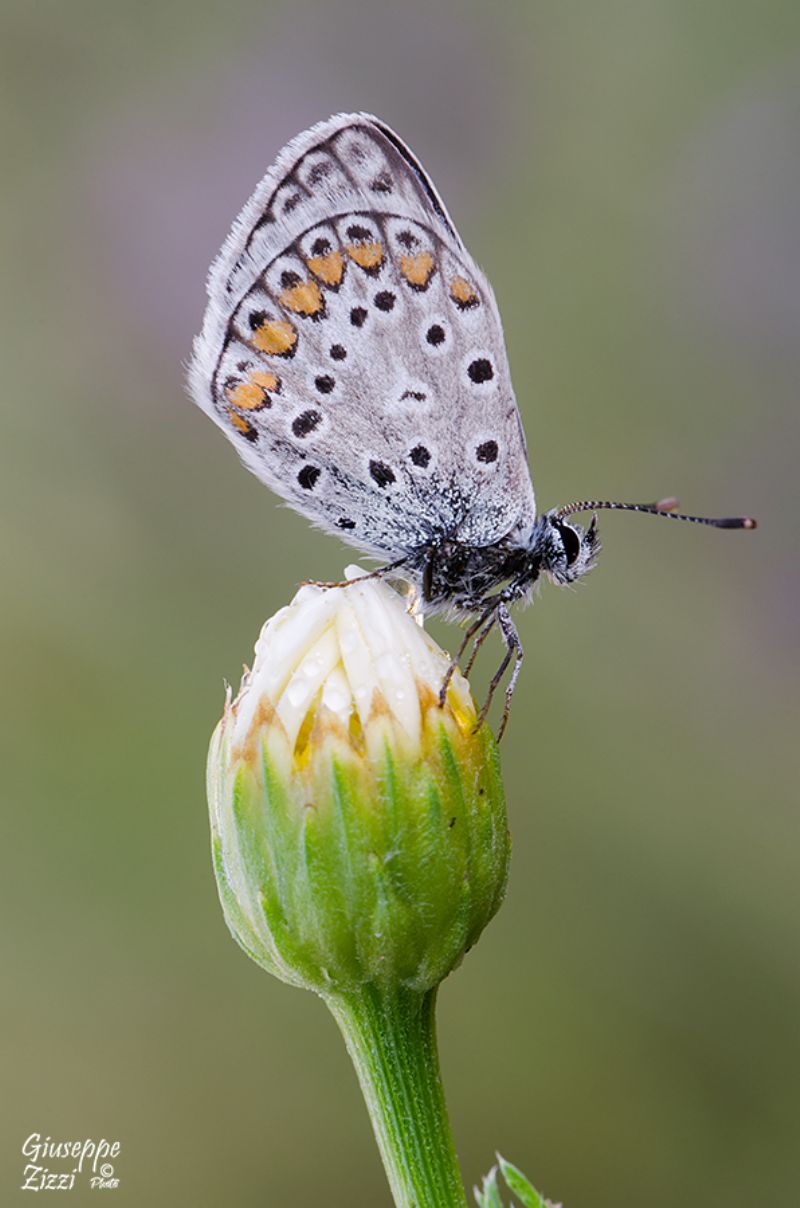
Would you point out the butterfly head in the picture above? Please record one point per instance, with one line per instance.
(563, 551)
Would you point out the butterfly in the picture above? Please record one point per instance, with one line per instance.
(353, 352)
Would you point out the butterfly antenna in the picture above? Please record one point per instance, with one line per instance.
(664, 507)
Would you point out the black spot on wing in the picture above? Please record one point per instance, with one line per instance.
(382, 474)
(319, 172)
(306, 423)
(480, 370)
(308, 477)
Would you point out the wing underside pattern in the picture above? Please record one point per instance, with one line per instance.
(353, 351)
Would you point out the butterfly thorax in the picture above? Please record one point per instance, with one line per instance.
(466, 578)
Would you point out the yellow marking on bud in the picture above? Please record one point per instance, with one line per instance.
(459, 705)
(366, 255)
(356, 733)
(462, 292)
(253, 394)
(305, 298)
(417, 269)
(427, 698)
(322, 734)
(378, 708)
(464, 716)
(249, 750)
(329, 269)
(302, 743)
(276, 337)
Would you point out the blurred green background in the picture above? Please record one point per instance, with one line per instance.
(628, 174)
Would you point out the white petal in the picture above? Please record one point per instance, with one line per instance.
(339, 646)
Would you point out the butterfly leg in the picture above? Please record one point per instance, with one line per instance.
(513, 651)
(514, 648)
(480, 639)
(379, 573)
(485, 620)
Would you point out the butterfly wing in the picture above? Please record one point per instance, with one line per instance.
(354, 354)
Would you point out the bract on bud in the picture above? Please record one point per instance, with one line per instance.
(359, 830)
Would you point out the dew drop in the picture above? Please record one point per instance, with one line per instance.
(297, 693)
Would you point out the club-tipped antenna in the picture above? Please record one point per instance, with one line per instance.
(664, 507)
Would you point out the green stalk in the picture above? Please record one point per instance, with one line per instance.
(391, 1037)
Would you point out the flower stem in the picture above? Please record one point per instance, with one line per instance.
(391, 1037)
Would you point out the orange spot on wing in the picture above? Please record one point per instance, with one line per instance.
(253, 394)
(305, 298)
(463, 293)
(276, 337)
(242, 425)
(329, 269)
(366, 255)
(417, 269)
(267, 381)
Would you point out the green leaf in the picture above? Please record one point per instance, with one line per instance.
(489, 1196)
(527, 1195)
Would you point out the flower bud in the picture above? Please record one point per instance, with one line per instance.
(359, 830)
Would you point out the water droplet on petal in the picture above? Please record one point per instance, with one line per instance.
(297, 693)
(349, 640)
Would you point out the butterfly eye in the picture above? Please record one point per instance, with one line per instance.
(572, 542)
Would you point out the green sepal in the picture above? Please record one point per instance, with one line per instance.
(519, 1185)
(353, 863)
(488, 1196)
